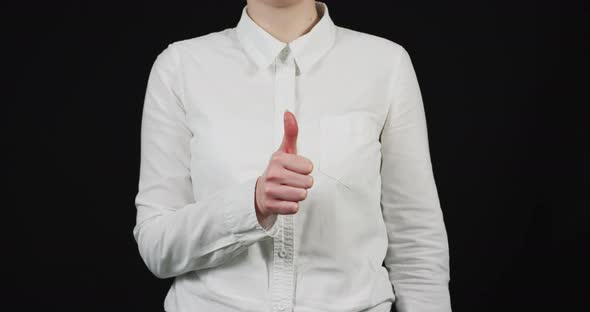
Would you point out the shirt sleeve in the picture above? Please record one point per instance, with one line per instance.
(417, 257)
(176, 234)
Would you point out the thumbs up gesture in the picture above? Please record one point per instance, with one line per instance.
(286, 179)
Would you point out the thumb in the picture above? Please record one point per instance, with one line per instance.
(289, 144)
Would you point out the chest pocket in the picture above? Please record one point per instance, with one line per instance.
(350, 151)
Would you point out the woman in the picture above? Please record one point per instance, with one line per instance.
(285, 166)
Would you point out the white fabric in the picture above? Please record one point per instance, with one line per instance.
(212, 117)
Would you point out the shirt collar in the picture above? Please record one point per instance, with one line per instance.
(307, 49)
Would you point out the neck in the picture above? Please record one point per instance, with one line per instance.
(284, 21)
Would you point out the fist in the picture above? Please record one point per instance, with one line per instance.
(286, 179)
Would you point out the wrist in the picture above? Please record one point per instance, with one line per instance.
(259, 214)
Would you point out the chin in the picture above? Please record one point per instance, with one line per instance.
(281, 3)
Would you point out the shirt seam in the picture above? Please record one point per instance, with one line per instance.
(394, 79)
(176, 62)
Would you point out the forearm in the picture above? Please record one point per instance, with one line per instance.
(202, 234)
(418, 253)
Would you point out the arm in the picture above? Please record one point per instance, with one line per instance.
(176, 234)
(417, 257)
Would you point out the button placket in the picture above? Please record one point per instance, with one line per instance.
(282, 282)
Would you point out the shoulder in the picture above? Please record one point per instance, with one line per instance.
(209, 43)
(198, 48)
(370, 46)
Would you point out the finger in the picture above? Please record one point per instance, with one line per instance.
(295, 179)
(282, 207)
(291, 129)
(296, 163)
(287, 192)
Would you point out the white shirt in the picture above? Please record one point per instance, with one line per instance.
(213, 116)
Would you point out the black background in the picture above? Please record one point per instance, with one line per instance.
(507, 166)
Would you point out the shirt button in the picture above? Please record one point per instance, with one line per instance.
(282, 254)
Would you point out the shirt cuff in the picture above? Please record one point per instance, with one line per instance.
(240, 215)
(423, 298)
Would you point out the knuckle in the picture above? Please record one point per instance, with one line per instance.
(272, 174)
(288, 207)
(275, 157)
(278, 156)
(270, 206)
(303, 194)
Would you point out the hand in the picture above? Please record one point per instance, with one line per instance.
(286, 178)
